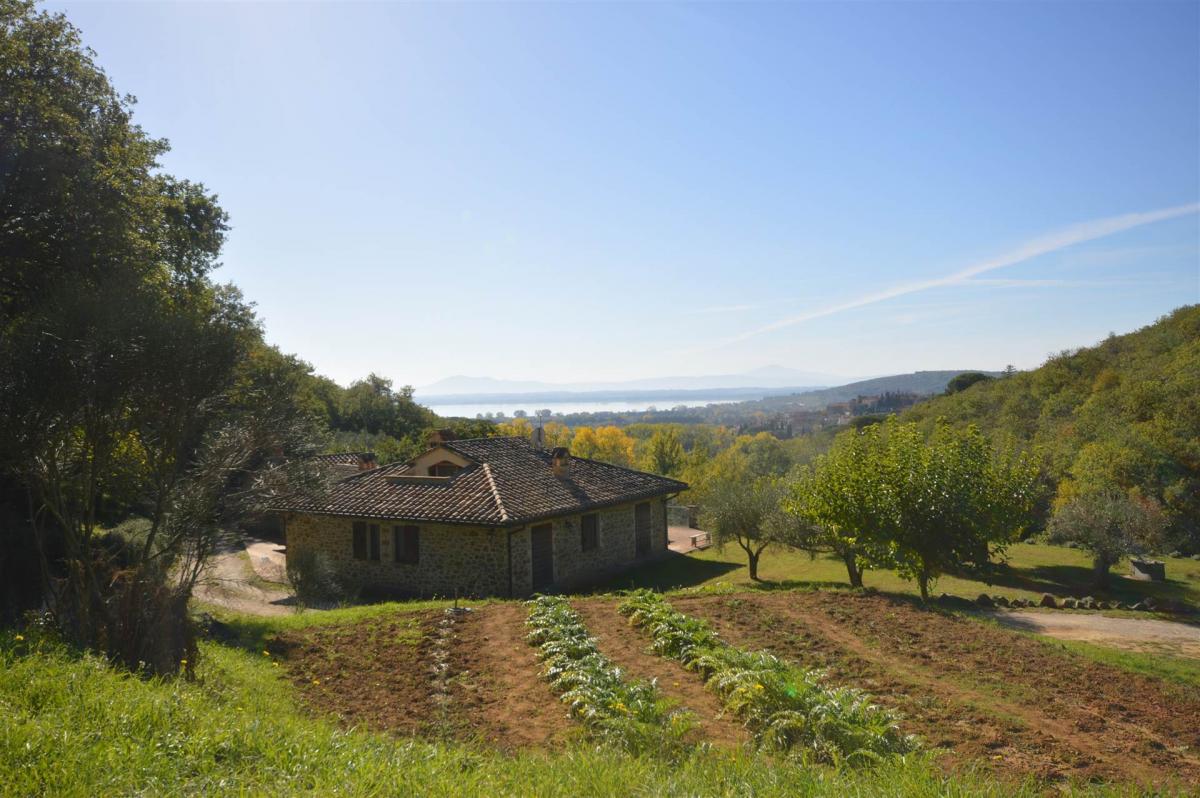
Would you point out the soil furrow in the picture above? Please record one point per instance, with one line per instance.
(498, 684)
(979, 691)
(630, 650)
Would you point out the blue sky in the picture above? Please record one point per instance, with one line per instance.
(582, 192)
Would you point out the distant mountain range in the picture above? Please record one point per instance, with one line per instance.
(464, 388)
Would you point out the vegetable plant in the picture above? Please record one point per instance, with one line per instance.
(630, 714)
(789, 709)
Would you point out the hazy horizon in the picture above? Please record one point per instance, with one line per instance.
(600, 193)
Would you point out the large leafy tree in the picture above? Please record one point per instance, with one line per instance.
(128, 379)
(841, 502)
(609, 444)
(952, 501)
(664, 453)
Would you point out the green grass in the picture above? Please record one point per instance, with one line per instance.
(253, 631)
(73, 726)
(1181, 670)
(1033, 569)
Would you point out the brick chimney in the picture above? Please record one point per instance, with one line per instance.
(538, 438)
(561, 462)
(444, 435)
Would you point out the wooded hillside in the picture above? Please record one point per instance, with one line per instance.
(1124, 413)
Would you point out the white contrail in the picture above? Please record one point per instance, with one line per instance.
(1043, 245)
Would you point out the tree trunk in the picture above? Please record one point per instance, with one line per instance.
(852, 569)
(753, 558)
(1100, 568)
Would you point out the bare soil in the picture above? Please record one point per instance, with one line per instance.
(498, 684)
(374, 674)
(630, 651)
(977, 691)
(383, 674)
(980, 692)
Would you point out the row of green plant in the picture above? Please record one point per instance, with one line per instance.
(631, 714)
(787, 708)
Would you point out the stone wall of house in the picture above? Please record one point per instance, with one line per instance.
(616, 547)
(453, 559)
(475, 560)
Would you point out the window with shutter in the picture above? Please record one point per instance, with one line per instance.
(375, 542)
(406, 543)
(589, 531)
(360, 540)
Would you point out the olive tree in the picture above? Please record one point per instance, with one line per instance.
(1110, 525)
(740, 508)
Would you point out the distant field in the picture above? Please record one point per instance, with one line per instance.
(1033, 569)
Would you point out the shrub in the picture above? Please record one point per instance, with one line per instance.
(315, 580)
(789, 709)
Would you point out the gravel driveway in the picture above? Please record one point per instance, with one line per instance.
(1132, 634)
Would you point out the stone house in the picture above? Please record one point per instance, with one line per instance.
(485, 517)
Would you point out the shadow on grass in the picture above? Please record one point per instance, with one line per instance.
(672, 571)
(1076, 580)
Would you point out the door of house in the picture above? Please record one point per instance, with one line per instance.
(641, 528)
(542, 553)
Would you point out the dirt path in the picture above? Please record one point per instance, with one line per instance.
(497, 684)
(1132, 634)
(231, 582)
(629, 650)
(981, 692)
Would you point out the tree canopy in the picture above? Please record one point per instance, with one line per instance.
(1124, 414)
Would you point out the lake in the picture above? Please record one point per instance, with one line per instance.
(447, 409)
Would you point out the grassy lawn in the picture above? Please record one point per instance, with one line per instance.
(1032, 569)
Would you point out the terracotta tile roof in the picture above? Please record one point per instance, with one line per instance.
(345, 458)
(509, 483)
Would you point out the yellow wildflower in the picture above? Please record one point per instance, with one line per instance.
(266, 653)
(19, 638)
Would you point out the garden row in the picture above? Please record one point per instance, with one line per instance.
(788, 709)
(631, 714)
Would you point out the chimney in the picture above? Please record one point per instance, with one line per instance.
(538, 439)
(441, 436)
(561, 462)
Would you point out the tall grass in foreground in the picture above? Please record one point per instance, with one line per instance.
(72, 726)
(788, 708)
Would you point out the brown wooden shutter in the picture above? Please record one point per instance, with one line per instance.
(407, 544)
(360, 540)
